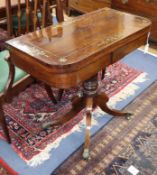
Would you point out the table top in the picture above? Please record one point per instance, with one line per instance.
(74, 44)
(74, 41)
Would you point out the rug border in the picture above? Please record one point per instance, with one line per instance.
(7, 167)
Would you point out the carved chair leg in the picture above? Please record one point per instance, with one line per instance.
(50, 93)
(7, 89)
(10, 81)
(4, 125)
(60, 94)
(103, 73)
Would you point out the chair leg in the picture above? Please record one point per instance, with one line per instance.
(103, 74)
(4, 125)
(10, 81)
(50, 93)
(60, 94)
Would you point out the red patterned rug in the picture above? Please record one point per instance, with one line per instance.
(5, 169)
(27, 112)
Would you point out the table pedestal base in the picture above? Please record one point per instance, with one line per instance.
(91, 98)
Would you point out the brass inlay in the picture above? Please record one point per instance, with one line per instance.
(108, 40)
(62, 60)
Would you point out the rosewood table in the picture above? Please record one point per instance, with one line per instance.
(74, 52)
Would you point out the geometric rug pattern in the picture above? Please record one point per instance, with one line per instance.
(27, 112)
(140, 154)
(122, 144)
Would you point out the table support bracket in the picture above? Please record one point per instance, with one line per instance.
(91, 98)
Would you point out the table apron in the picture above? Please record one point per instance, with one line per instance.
(72, 78)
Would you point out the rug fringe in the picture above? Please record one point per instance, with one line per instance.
(45, 154)
(128, 91)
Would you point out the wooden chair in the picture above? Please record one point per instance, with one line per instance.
(4, 124)
(4, 34)
(3, 37)
(20, 81)
(36, 13)
(32, 22)
(48, 7)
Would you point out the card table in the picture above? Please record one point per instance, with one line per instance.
(73, 52)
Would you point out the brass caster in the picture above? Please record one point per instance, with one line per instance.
(128, 116)
(86, 154)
